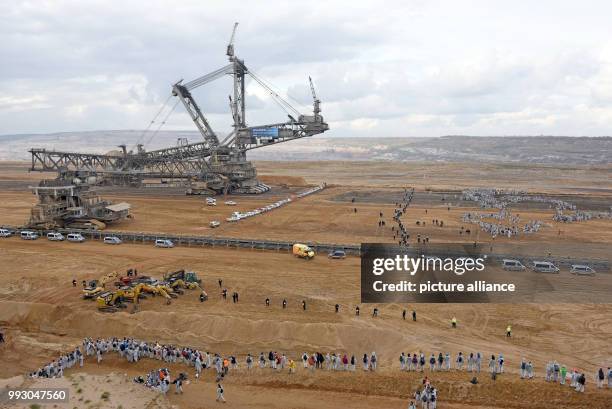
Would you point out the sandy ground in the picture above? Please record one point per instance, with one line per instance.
(42, 314)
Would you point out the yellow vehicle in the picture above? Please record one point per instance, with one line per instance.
(133, 294)
(303, 251)
(187, 276)
(168, 290)
(110, 301)
(92, 290)
(96, 287)
(159, 290)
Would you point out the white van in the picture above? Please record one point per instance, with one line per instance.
(512, 265)
(582, 270)
(164, 243)
(55, 236)
(76, 237)
(544, 267)
(29, 235)
(112, 240)
(5, 233)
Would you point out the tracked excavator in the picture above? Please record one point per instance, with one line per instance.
(110, 301)
(96, 287)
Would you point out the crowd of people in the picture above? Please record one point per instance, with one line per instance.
(400, 233)
(512, 229)
(501, 199)
(428, 396)
(444, 362)
(133, 350)
(558, 373)
(160, 380)
(56, 368)
(580, 216)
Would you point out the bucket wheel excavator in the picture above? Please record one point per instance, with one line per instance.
(213, 165)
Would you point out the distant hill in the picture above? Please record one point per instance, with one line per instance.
(531, 149)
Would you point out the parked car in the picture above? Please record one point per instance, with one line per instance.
(230, 203)
(582, 270)
(112, 240)
(55, 236)
(544, 267)
(512, 265)
(337, 254)
(76, 237)
(211, 202)
(214, 224)
(29, 235)
(164, 243)
(5, 233)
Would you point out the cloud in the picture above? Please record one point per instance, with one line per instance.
(400, 68)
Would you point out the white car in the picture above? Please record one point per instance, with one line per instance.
(75, 237)
(28, 235)
(5, 233)
(582, 270)
(544, 267)
(164, 243)
(214, 224)
(211, 202)
(55, 236)
(112, 240)
(230, 203)
(512, 265)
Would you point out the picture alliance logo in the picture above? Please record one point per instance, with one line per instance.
(411, 265)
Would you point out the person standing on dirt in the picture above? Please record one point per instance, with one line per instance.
(508, 331)
(337, 307)
(375, 313)
(267, 302)
(413, 315)
(304, 305)
(600, 378)
(1, 338)
(563, 374)
(357, 311)
(404, 315)
(284, 303)
(220, 283)
(373, 360)
(224, 293)
(454, 322)
(492, 362)
(178, 384)
(220, 397)
(581, 383)
(74, 282)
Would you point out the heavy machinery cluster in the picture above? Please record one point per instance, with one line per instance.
(132, 287)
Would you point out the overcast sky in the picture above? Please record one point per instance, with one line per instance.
(381, 68)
